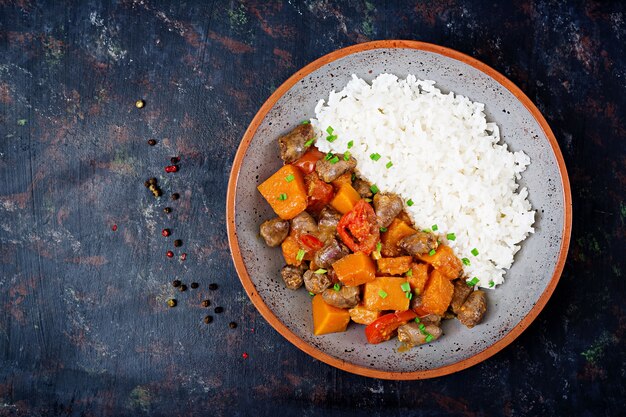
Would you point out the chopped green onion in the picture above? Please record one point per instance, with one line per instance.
(353, 177)
(374, 188)
(346, 156)
(375, 156)
(305, 122)
(409, 295)
(311, 293)
(336, 287)
(350, 144)
(334, 160)
(328, 156)
(379, 246)
(434, 227)
(472, 282)
(290, 178)
(300, 255)
(429, 338)
(389, 165)
(422, 327)
(451, 236)
(382, 294)
(409, 202)
(282, 196)
(475, 252)
(426, 230)
(320, 271)
(368, 200)
(309, 142)
(331, 138)
(465, 261)
(330, 130)
(491, 284)
(432, 252)
(383, 229)
(417, 319)
(405, 286)
(409, 273)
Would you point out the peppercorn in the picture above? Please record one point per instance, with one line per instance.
(171, 168)
(139, 104)
(183, 256)
(205, 303)
(152, 181)
(174, 160)
(244, 355)
(165, 232)
(182, 288)
(171, 302)
(152, 142)
(169, 253)
(213, 287)
(219, 310)
(175, 196)
(167, 210)
(208, 319)
(146, 184)
(194, 285)
(176, 283)
(178, 243)
(232, 325)
(114, 227)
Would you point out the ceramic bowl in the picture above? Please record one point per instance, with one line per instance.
(529, 283)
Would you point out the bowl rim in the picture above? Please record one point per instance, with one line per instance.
(275, 322)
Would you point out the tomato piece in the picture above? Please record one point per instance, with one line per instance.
(319, 194)
(358, 228)
(307, 162)
(382, 329)
(311, 242)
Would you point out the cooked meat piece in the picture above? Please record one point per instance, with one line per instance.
(387, 207)
(274, 231)
(303, 223)
(346, 297)
(473, 309)
(419, 243)
(461, 292)
(332, 251)
(411, 335)
(292, 275)
(329, 171)
(405, 218)
(292, 144)
(332, 275)
(316, 283)
(416, 301)
(327, 223)
(431, 319)
(362, 187)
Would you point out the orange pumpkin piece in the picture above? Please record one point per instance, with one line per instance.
(362, 315)
(355, 269)
(327, 318)
(445, 261)
(385, 293)
(394, 266)
(418, 277)
(437, 294)
(343, 179)
(285, 192)
(345, 199)
(395, 232)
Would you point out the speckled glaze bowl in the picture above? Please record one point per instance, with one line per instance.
(529, 283)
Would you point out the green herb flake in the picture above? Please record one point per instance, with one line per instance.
(422, 327)
(382, 294)
(300, 254)
(320, 271)
(337, 287)
(290, 178)
(409, 295)
(368, 200)
(374, 188)
(491, 284)
(375, 156)
(346, 156)
(334, 160)
(451, 236)
(434, 227)
(379, 246)
(417, 319)
(405, 286)
(475, 252)
(309, 142)
(409, 273)
(432, 252)
(328, 156)
(330, 130)
(353, 177)
(350, 144)
(389, 165)
(282, 196)
(383, 229)
(465, 261)
(429, 338)
(331, 138)
(473, 282)
(409, 202)
(311, 294)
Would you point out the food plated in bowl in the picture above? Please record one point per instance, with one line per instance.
(529, 281)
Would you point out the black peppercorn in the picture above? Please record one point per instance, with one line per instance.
(146, 184)
(152, 181)
(152, 142)
(175, 196)
(213, 287)
(174, 160)
(219, 310)
(182, 288)
(171, 302)
(194, 285)
(232, 325)
(178, 243)
(167, 210)
(206, 303)
(208, 319)
(176, 283)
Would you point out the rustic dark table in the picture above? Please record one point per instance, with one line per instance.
(84, 325)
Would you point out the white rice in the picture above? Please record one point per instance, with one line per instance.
(446, 158)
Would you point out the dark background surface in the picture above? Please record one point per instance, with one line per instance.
(84, 328)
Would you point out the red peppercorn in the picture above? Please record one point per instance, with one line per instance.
(170, 254)
(171, 168)
(114, 227)
(244, 355)
(183, 256)
(165, 232)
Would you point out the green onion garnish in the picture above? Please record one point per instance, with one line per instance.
(336, 287)
(300, 254)
(305, 122)
(465, 261)
(330, 130)
(434, 227)
(290, 178)
(282, 196)
(379, 246)
(472, 282)
(422, 327)
(383, 229)
(417, 319)
(382, 294)
(309, 142)
(374, 188)
(491, 284)
(389, 165)
(311, 294)
(320, 271)
(475, 252)
(409, 295)
(350, 144)
(429, 338)
(426, 230)
(405, 286)
(375, 156)
(409, 273)
(334, 160)
(432, 252)
(451, 236)
(328, 156)
(331, 138)
(409, 202)
(353, 177)
(346, 156)
(368, 200)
